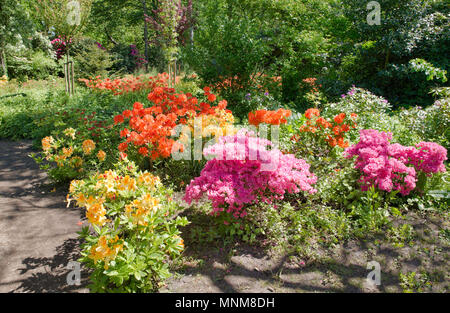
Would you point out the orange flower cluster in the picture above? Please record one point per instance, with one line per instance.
(333, 131)
(127, 84)
(311, 82)
(151, 128)
(268, 117)
(103, 251)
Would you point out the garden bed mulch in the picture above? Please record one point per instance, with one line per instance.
(342, 268)
(38, 239)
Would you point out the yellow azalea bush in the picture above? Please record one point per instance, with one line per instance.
(133, 229)
(66, 156)
(210, 125)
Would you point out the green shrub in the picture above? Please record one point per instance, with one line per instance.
(93, 61)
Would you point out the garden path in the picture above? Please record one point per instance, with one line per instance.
(37, 232)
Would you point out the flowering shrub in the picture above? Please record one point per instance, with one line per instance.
(133, 231)
(431, 123)
(244, 172)
(323, 130)
(127, 84)
(72, 156)
(269, 117)
(151, 128)
(393, 166)
(313, 93)
(71, 152)
(372, 110)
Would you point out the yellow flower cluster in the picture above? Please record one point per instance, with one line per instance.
(95, 211)
(103, 252)
(74, 184)
(67, 152)
(88, 145)
(47, 143)
(148, 180)
(76, 161)
(70, 132)
(139, 209)
(218, 125)
(59, 159)
(110, 183)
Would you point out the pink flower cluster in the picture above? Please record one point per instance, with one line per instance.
(140, 60)
(243, 171)
(393, 166)
(60, 45)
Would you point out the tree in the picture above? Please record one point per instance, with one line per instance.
(124, 19)
(381, 53)
(15, 26)
(67, 19)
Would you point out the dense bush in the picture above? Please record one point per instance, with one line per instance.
(93, 60)
(28, 64)
(244, 172)
(135, 232)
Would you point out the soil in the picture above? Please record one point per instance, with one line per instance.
(38, 238)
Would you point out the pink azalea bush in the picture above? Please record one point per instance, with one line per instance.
(243, 172)
(393, 166)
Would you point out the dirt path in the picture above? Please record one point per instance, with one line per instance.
(37, 232)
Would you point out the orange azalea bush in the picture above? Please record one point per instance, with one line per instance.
(269, 117)
(127, 84)
(333, 132)
(133, 229)
(150, 129)
(313, 91)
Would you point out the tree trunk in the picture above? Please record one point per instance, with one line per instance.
(110, 37)
(3, 62)
(144, 4)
